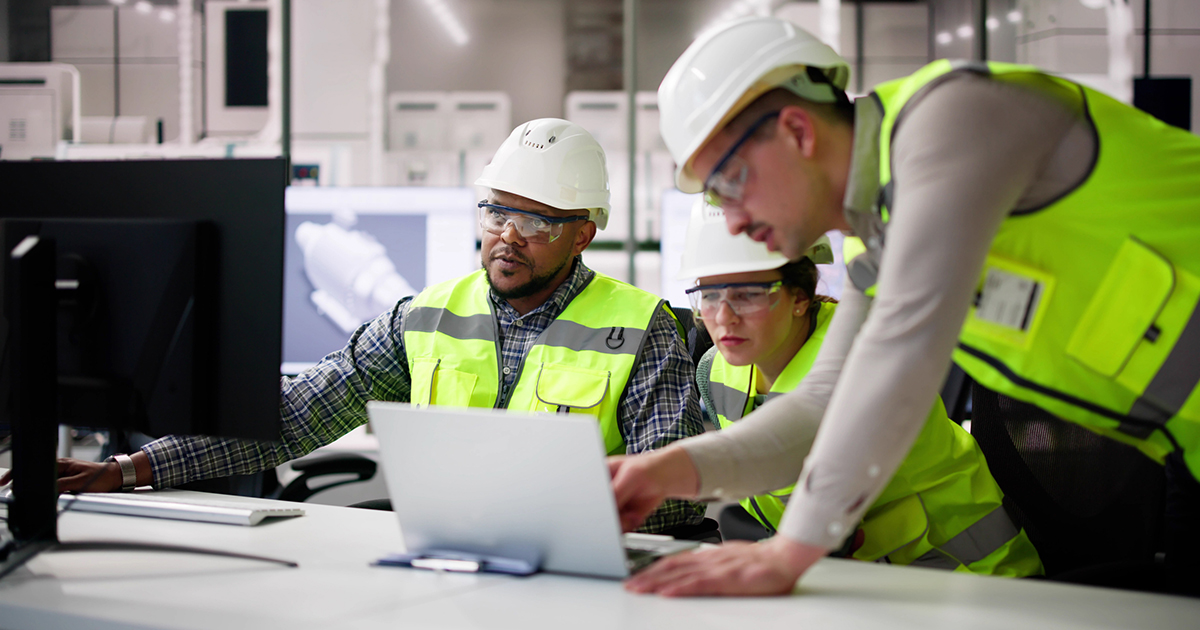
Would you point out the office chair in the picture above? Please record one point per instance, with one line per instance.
(1092, 506)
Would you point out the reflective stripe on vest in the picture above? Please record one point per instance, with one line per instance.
(942, 506)
(581, 363)
(1107, 332)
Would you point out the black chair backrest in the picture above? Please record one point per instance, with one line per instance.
(1083, 499)
(695, 337)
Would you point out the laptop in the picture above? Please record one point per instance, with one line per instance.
(494, 483)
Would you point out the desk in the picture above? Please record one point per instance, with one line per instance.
(335, 588)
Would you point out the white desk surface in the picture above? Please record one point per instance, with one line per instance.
(335, 588)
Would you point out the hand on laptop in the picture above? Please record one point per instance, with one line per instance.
(642, 482)
(769, 567)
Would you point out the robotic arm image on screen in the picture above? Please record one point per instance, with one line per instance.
(353, 278)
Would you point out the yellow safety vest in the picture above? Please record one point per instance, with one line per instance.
(941, 509)
(1086, 307)
(580, 364)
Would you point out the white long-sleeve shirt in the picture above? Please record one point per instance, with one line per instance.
(965, 155)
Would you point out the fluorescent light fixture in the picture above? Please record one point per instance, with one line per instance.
(992, 23)
(453, 27)
(966, 31)
(1014, 17)
(143, 7)
(738, 9)
(166, 15)
(944, 38)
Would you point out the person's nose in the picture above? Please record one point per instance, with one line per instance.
(736, 219)
(511, 235)
(725, 315)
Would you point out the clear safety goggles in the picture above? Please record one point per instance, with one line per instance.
(533, 227)
(727, 182)
(744, 298)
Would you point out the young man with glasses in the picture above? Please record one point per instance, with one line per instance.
(534, 330)
(1039, 231)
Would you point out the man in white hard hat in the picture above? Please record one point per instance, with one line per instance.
(534, 330)
(1040, 231)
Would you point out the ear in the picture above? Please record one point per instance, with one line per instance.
(584, 237)
(801, 304)
(800, 125)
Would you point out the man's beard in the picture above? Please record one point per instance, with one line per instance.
(535, 284)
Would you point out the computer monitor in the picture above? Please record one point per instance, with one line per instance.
(158, 286)
(351, 253)
(243, 202)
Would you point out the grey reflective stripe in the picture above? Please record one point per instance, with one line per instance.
(574, 336)
(983, 538)
(772, 396)
(1174, 382)
(934, 559)
(729, 401)
(429, 319)
(863, 273)
(971, 66)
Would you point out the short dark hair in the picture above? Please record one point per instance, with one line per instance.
(803, 275)
(841, 111)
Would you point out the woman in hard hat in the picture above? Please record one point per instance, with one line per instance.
(942, 509)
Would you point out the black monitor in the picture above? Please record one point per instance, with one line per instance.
(137, 294)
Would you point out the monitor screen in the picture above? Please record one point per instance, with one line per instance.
(352, 253)
(242, 202)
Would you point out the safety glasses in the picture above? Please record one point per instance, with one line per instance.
(533, 227)
(745, 298)
(727, 182)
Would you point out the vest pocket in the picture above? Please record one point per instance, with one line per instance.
(436, 385)
(566, 387)
(1119, 321)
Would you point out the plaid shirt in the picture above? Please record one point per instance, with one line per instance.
(660, 403)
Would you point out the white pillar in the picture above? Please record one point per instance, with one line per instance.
(831, 24)
(187, 130)
(377, 90)
(1120, 49)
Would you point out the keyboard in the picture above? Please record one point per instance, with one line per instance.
(148, 505)
(643, 549)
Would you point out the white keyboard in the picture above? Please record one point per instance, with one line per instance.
(200, 510)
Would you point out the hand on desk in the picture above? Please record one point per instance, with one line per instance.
(770, 567)
(76, 475)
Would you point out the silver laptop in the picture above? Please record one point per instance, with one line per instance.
(512, 485)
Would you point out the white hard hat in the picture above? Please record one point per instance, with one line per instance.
(554, 162)
(727, 69)
(710, 250)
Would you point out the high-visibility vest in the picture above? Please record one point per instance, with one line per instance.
(941, 509)
(1087, 306)
(580, 364)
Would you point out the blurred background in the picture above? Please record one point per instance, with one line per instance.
(417, 94)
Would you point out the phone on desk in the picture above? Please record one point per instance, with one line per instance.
(459, 562)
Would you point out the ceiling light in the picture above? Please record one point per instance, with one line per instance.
(1014, 17)
(166, 15)
(965, 31)
(992, 23)
(143, 7)
(944, 38)
(453, 27)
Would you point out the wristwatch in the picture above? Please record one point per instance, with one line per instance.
(128, 472)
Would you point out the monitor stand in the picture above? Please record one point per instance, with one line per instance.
(33, 507)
